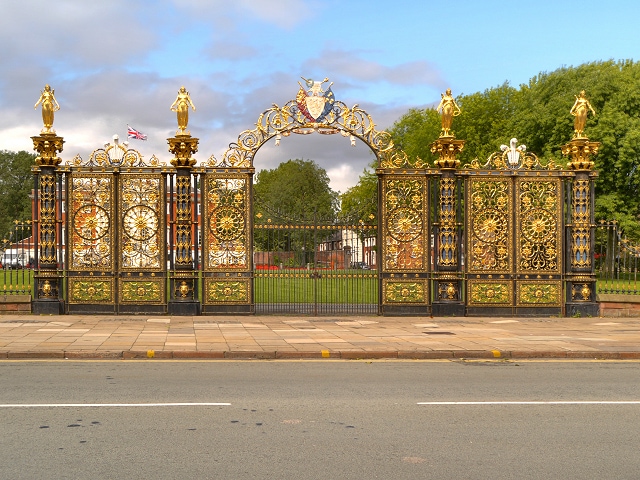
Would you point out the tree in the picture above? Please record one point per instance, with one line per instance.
(359, 204)
(537, 114)
(16, 183)
(414, 131)
(296, 192)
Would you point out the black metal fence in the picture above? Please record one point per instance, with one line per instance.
(17, 255)
(617, 261)
(315, 269)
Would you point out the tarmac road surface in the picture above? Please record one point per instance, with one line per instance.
(319, 419)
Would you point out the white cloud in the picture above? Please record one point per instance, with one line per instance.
(351, 65)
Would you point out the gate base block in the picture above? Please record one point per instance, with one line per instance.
(228, 310)
(47, 307)
(405, 311)
(584, 309)
(184, 308)
(448, 310)
(514, 312)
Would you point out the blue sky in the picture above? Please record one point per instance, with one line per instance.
(116, 62)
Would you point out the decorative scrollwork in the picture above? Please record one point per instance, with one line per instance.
(488, 216)
(489, 293)
(140, 223)
(115, 156)
(279, 121)
(539, 293)
(226, 210)
(581, 231)
(141, 238)
(91, 222)
(91, 198)
(538, 213)
(404, 235)
(513, 157)
(404, 292)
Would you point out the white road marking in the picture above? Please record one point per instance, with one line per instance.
(54, 405)
(550, 402)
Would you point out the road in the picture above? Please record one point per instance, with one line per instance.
(319, 420)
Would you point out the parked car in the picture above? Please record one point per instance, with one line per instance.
(360, 265)
(12, 259)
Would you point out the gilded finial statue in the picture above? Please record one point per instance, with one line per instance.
(181, 107)
(580, 110)
(449, 109)
(49, 106)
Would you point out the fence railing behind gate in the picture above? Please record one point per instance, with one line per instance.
(617, 261)
(315, 269)
(17, 260)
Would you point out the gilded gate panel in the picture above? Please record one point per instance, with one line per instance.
(514, 241)
(221, 291)
(226, 232)
(488, 219)
(405, 291)
(142, 291)
(531, 293)
(91, 210)
(404, 236)
(142, 240)
(91, 237)
(91, 290)
(142, 199)
(539, 236)
(226, 239)
(483, 292)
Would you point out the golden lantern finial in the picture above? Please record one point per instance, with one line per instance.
(49, 106)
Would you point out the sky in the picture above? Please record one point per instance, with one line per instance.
(114, 63)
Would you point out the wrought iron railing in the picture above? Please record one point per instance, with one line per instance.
(17, 259)
(617, 261)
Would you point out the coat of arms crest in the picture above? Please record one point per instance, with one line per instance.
(314, 102)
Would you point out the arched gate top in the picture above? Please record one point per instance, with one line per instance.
(314, 110)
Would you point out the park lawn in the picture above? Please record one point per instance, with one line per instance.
(16, 282)
(296, 286)
(619, 285)
(335, 286)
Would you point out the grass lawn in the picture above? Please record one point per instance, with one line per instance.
(16, 282)
(300, 286)
(627, 285)
(322, 286)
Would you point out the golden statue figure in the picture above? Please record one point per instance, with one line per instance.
(580, 109)
(181, 107)
(449, 109)
(49, 106)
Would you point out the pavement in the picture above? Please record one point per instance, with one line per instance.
(292, 337)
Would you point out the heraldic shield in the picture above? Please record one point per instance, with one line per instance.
(314, 102)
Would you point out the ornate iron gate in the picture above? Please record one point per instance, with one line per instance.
(511, 236)
(514, 244)
(227, 243)
(405, 240)
(115, 235)
(314, 269)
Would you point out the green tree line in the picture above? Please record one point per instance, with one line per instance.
(537, 114)
(16, 183)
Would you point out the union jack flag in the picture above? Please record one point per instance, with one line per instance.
(133, 133)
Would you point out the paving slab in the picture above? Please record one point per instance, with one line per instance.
(286, 337)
